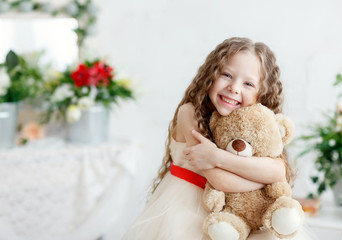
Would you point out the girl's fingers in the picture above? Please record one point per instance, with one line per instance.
(198, 136)
(186, 151)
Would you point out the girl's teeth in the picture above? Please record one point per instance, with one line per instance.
(230, 101)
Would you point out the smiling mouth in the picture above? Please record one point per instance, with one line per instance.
(229, 100)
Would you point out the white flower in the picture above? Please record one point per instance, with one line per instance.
(47, 7)
(339, 105)
(85, 103)
(3, 91)
(25, 7)
(5, 81)
(30, 81)
(125, 82)
(72, 9)
(74, 100)
(32, 58)
(332, 142)
(51, 74)
(73, 113)
(92, 30)
(62, 92)
(335, 156)
(91, 9)
(84, 90)
(339, 121)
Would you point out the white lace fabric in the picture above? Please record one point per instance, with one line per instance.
(55, 190)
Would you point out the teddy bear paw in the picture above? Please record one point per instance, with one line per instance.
(223, 231)
(215, 200)
(286, 221)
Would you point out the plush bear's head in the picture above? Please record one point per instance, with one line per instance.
(253, 130)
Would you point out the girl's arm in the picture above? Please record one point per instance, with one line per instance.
(207, 155)
(225, 181)
(218, 178)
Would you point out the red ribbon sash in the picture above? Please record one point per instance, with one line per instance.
(188, 175)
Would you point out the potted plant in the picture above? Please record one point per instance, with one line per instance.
(325, 141)
(20, 79)
(82, 97)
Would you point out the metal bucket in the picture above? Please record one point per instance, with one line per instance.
(338, 192)
(92, 127)
(8, 124)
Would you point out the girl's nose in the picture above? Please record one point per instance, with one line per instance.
(233, 88)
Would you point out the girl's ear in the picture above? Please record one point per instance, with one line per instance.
(286, 128)
(213, 119)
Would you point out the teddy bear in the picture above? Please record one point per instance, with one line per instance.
(252, 131)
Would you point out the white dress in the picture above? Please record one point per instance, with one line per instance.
(175, 210)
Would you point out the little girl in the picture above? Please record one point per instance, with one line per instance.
(237, 73)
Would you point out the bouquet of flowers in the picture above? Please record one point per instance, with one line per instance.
(20, 77)
(77, 90)
(326, 142)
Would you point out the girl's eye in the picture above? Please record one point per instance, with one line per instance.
(228, 75)
(249, 84)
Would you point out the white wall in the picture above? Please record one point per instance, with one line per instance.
(161, 44)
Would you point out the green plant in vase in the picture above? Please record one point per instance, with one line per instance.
(325, 141)
(21, 79)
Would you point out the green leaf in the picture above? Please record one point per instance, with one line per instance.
(311, 195)
(321, 188)
(306, 151)
(332, 184)
(12, 59)
(338, 79)
(314, 179)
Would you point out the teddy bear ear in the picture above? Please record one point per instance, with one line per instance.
(286, 128)
(215, 115)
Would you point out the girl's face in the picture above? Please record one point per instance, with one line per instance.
(238, 84)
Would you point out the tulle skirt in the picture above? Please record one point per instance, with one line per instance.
(175, 212)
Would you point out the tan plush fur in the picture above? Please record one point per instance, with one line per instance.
(267, 134)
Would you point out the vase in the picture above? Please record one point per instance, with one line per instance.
(92, 127)
(337, 190)
(8, 124)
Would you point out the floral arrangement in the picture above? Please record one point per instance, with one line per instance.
(326, 142)
(84, 11)
(20, 77)
(77, 90)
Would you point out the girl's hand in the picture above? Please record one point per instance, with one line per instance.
(201, 156)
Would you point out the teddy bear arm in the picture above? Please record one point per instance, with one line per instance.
(278, 189)
(213, 199)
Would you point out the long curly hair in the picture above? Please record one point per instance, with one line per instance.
(270, 92)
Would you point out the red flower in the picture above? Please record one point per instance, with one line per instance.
(81, 76)
(100, 74)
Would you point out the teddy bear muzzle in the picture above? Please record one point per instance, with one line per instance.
(240, 147)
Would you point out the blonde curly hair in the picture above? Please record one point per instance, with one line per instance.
(270, 92)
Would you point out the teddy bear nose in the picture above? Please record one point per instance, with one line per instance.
(238, 145)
